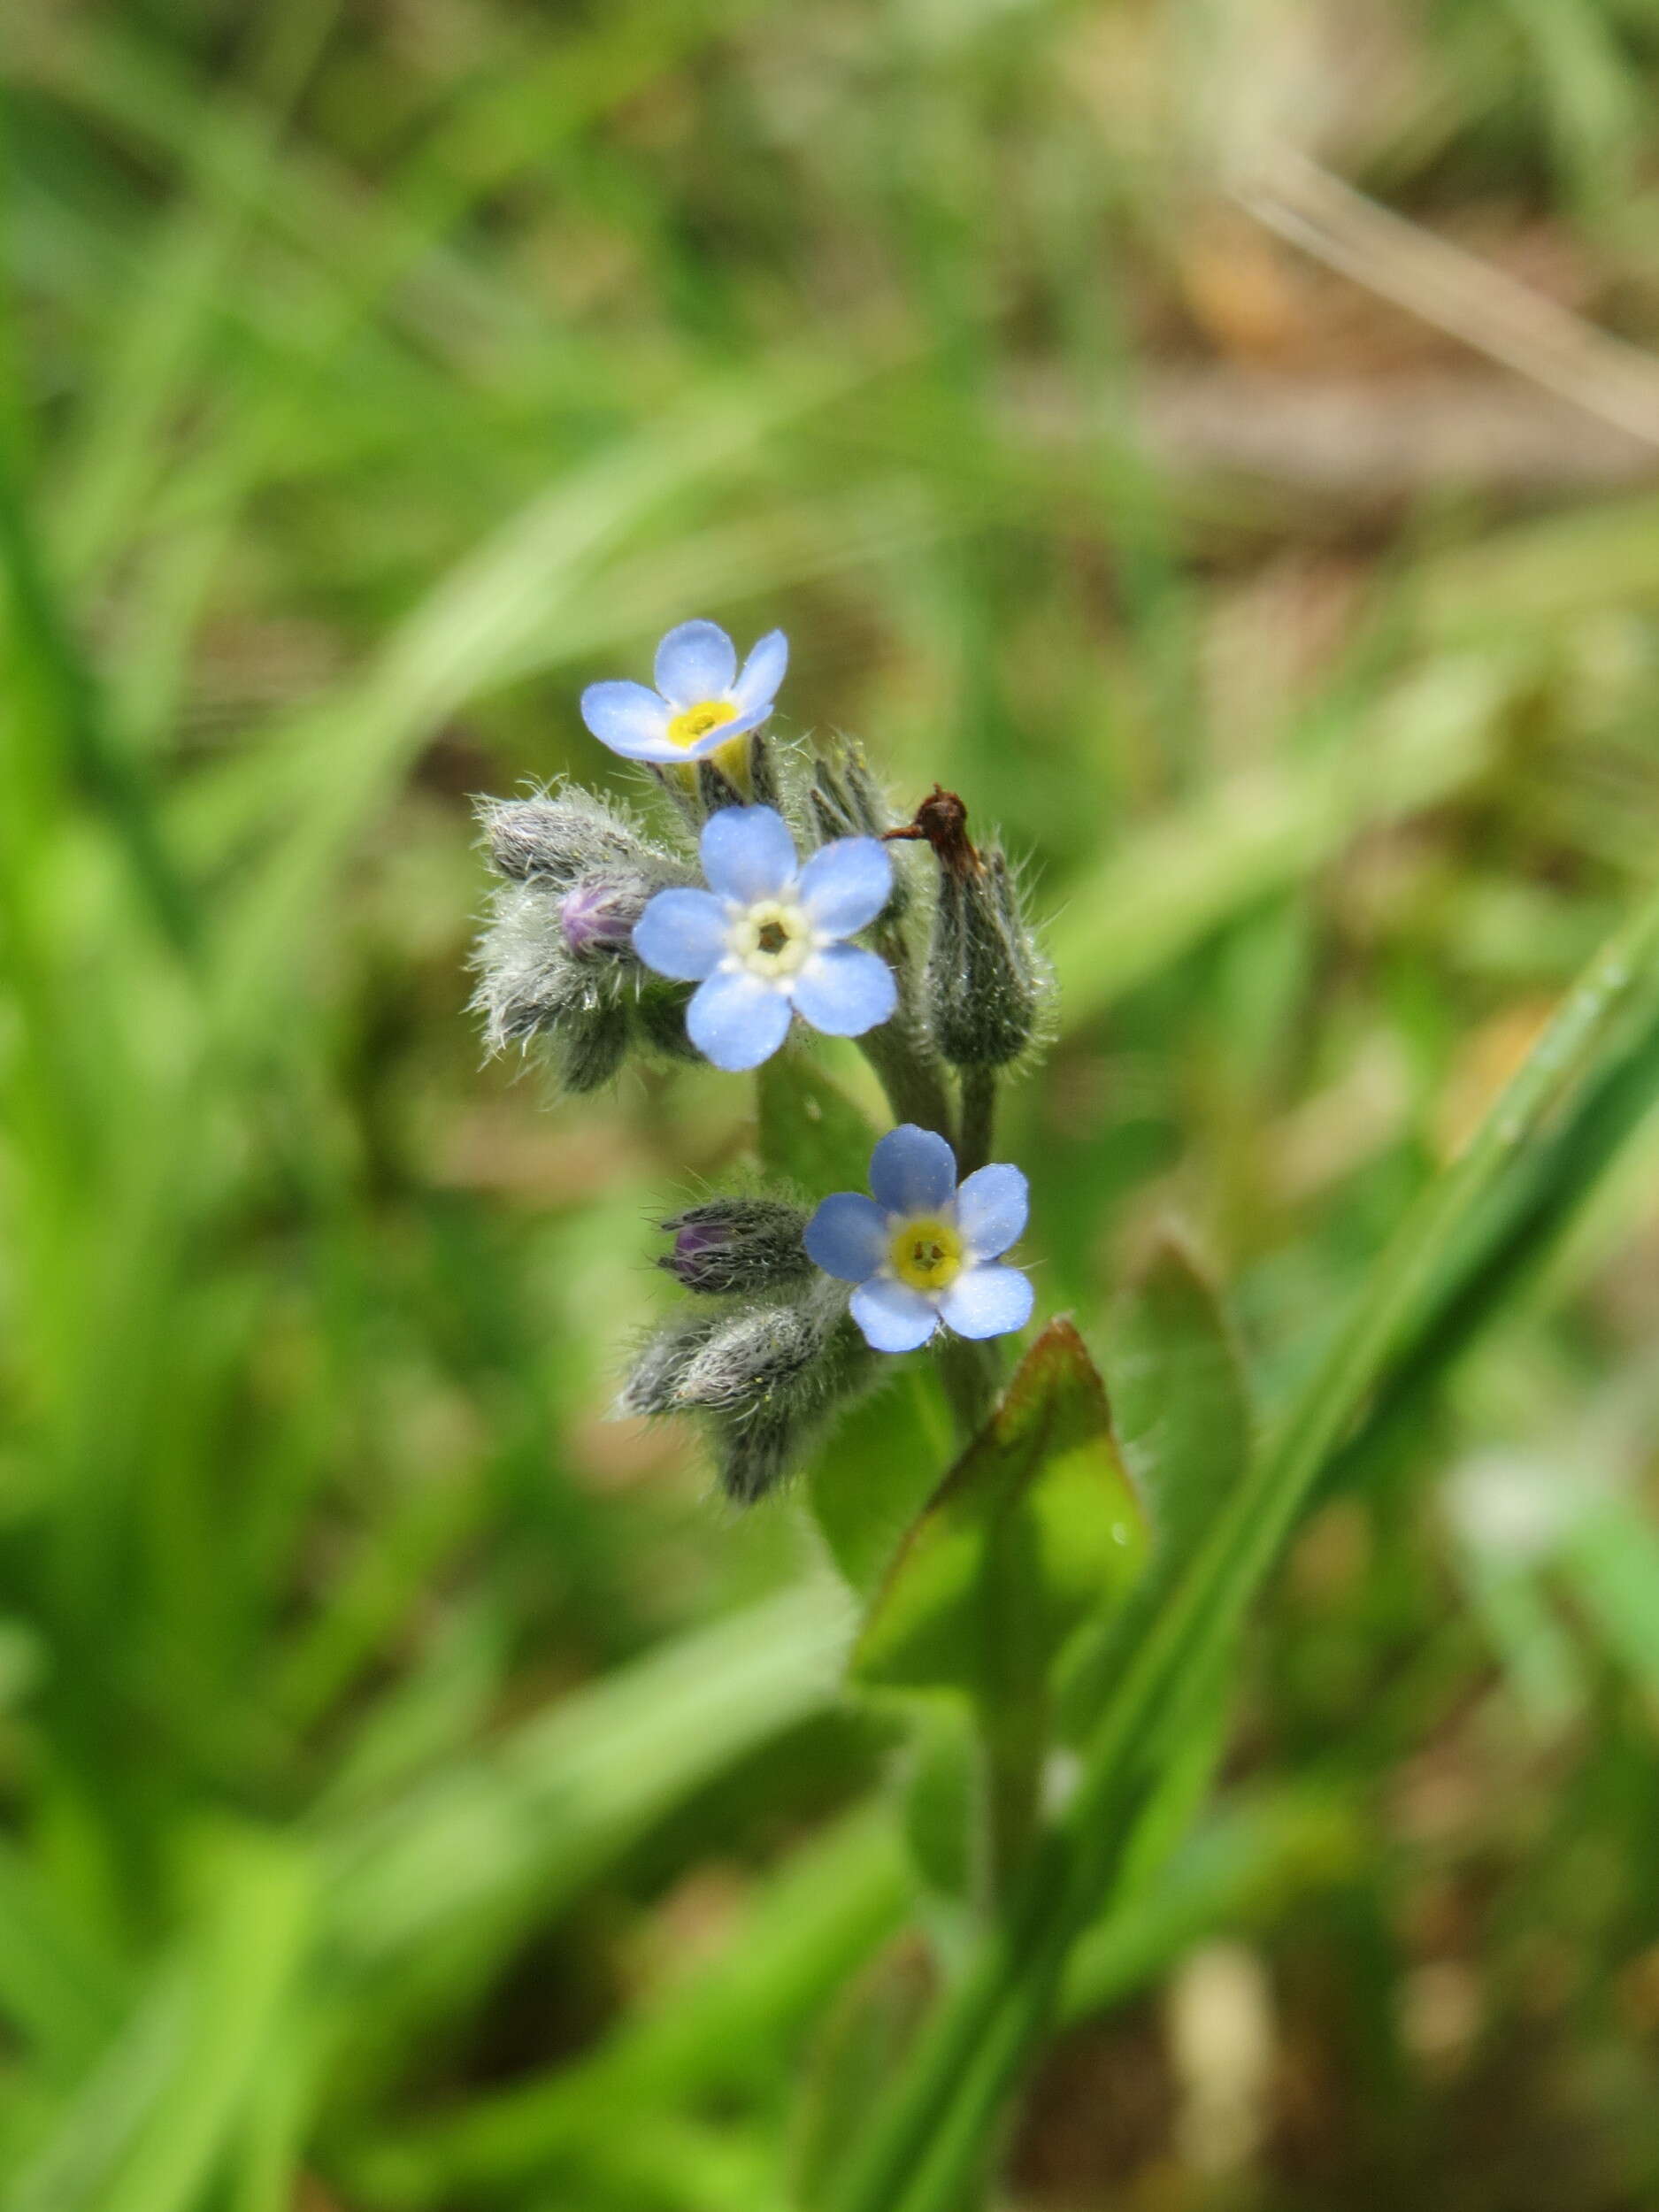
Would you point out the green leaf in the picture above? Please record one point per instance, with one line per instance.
(874, 1473)
(1183, 1415)
(151, 2122)
(1035, 1528)
(944, 1777)
(809, 1130)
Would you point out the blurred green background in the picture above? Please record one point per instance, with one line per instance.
(417, 1791)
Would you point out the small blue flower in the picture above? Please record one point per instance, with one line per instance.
(765, 937)
(921, 1250)
(700, 702)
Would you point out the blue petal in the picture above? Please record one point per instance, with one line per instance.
(847, 1236)
(763, 671)
(991, 1209)
(844, 990)
(846, 885)
(695, 663)
(736, 1020)
(630, 720)
(747, 853)
(912, 1171)
(892, 1317)
(988, 1301)
(682, 934)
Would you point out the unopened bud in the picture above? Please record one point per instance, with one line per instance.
(759, 1442)
(596, 916)
(846, 801)
(590, 1046)
(654, 1377)
(742, 1245)
(754, 1451)
(716, 790)
(763, 1354)
(559, 837)
(661, 1013)
(528, 985)
(985, 979)
(741, 772)
(763, 787)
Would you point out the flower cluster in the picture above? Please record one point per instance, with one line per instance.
(609, 937)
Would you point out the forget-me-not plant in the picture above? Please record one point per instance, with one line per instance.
(610, 939)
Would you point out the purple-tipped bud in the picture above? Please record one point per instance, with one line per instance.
(596, 918)
(692, 1244)
(743, 1245)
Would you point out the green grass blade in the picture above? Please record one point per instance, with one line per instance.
(531, 1816)
(201, 2043)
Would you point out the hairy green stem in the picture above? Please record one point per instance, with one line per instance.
(927, 2140)
(969, 1374)
(914, 1085)
(909, 1072)
(979, 1118)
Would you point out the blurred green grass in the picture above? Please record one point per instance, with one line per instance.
(415, 1790)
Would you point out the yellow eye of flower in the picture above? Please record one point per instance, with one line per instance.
(696, 722)
(926, 1254)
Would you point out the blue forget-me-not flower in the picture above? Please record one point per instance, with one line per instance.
(765, 938)
(701, 701)
(922, 1250)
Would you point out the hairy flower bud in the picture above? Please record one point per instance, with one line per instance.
(985, 978)
(754, 1450)
(762, 1381)
(556, 965)
(762, 1354)
(660, 1011)
(715, 788)
(846, 801)
(560, 837)
(596, 916)
(743, 1245)
(528, 985)
(590, 1048)
(655, 1376)
(763, 787)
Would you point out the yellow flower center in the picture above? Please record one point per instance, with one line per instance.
(696, 722)
(926, 1254)
(771, 939)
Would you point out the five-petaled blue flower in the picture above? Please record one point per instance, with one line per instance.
(765, 937)
(921, 1251)
(700, 702)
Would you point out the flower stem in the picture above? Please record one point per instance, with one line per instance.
(968, 1373)
(910, 1073)
(914, 1086)
(979, 1118)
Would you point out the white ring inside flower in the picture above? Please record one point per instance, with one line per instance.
(771, 939)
